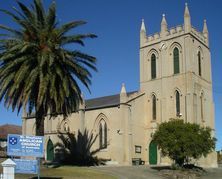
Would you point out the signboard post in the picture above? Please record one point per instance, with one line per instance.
(19, 145)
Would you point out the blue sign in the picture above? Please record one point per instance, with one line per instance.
(26, 166)
(19, 145)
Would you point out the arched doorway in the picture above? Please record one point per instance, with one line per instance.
(50, 151)
(152, 153)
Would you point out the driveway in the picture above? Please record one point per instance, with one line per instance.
(145, 172)
(130, 172)
(214, 173)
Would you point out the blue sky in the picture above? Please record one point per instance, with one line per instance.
(117, 24)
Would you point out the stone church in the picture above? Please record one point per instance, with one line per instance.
(175, 82)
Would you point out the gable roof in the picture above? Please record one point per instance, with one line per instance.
(98, 103)
(104, 102)
(9, 129)
(101, 102)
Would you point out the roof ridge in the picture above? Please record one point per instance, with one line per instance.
(104, 101)
(111, 95)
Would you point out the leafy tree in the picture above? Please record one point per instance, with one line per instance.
(182, 141)
(39, 70)
(77, 150)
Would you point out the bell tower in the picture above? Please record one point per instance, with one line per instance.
(175, 66)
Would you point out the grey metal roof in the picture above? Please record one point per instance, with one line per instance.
(97, 103)
(103, 102)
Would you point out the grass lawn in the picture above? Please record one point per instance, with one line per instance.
(69, 172)
(66, 172)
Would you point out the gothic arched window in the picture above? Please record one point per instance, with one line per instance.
(177, 95)
(199, 63)
(153, 66)
(201, 107)
(105, 135)
(176, 61)
(154, 107)
(102, 134)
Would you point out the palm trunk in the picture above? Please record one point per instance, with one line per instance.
(39, 131)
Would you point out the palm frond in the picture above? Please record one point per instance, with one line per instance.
(51, 17)
(76, 39)
(26, 11)
(16, 18)
(67, 27)
(40, 12)
(15, 32)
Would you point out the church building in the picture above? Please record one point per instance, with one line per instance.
(175, 82)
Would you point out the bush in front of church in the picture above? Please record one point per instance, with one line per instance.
(183, 141)
(77, 149)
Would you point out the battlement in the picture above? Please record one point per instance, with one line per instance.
(175, 31)
(198, 34)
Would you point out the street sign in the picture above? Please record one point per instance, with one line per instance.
(26, 166)
(18, 145)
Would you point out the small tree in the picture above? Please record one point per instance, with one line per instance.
(183, 141)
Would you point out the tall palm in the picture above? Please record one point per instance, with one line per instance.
(38, 73)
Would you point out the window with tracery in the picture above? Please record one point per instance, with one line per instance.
(102, 134)
(153, 66)
(154, 107)
(177, 95)
(176, 60)
(201, 106)
(199, 63)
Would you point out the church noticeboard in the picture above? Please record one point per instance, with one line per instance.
(26, 166)
(19, 145)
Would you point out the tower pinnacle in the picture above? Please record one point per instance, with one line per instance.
(142, 33)
(187, 19)
(163, 26)
(164, 23)
(205, 32)
(143, 28)
(186, 12)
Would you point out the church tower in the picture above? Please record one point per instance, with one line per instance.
(175, 73)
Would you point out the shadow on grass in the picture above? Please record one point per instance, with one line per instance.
(185, 167)
(159, 168)
(46, 178)
(193, 167)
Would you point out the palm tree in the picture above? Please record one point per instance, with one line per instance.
(39, 72)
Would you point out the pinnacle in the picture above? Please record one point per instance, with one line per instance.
(143, 28)
(186, 12)
(123, 89)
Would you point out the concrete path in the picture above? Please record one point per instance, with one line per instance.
(215, 173)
